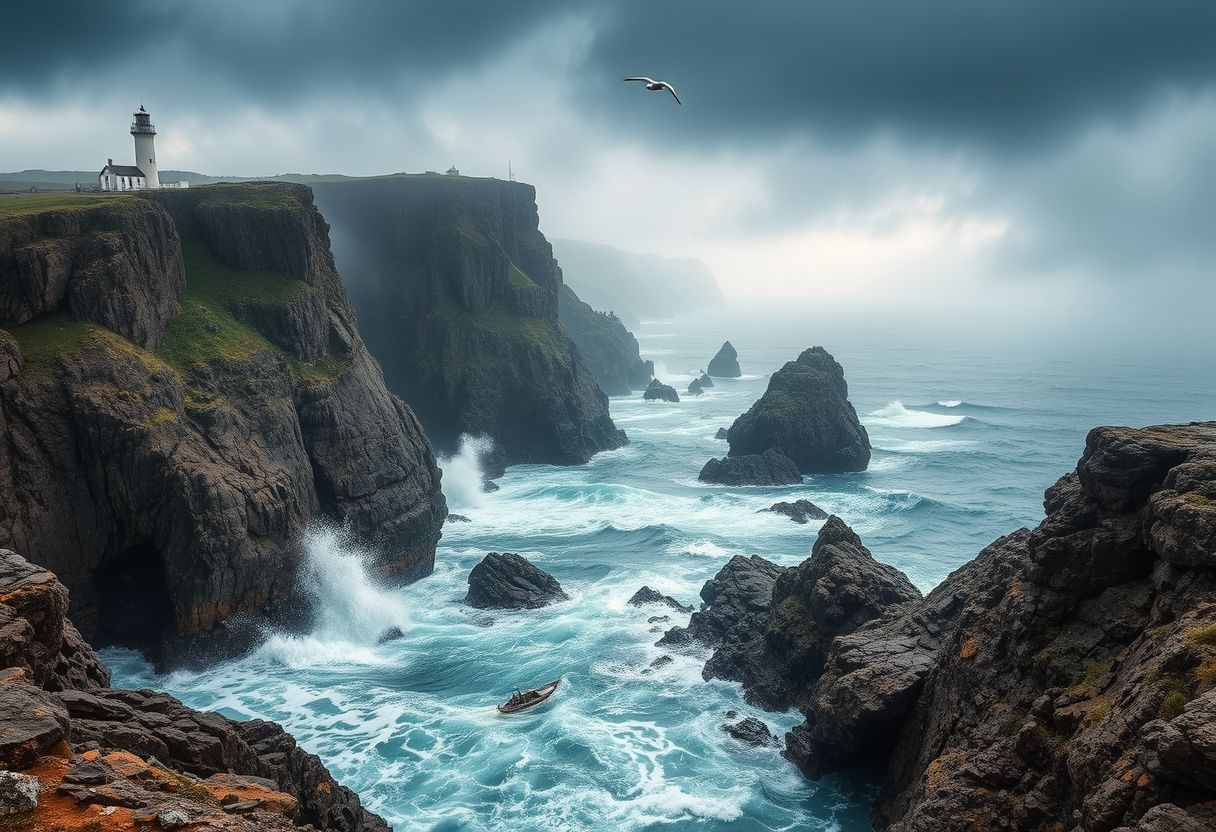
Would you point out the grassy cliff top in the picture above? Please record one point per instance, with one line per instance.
(26, 204)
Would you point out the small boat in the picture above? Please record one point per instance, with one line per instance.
(521, 701)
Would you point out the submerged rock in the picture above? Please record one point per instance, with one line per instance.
(457, 518)
(663, 392)
(391, 634)
(800, 511)
(694, 388)
(646, 595)
(805, 412)
(508, 581)
(660, 662)
(753, 732)
(769, 468)
(726, 363)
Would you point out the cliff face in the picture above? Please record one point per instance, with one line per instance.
(457, 293)
(608, 349)
(169, 487)
(74, 746)
(1064, 679)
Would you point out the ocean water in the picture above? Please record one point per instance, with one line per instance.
(967, 433)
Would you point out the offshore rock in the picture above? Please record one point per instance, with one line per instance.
(800, 511)
(659, 391)
(646, 595)
(508, 581)
(772, 467)
(705, 381)
(721, 434)
(726, 363)
(695, 388)
(752, 731)
(805, 413)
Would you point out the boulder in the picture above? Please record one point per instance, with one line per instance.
(18, 793)
(721, 434)
(772, 467)
(800, 511)
(457, 518)
(660, 391)
(726, 363)
(695, 389)
(646, 595)
(508, 581)
(805, 413)
(752, 731)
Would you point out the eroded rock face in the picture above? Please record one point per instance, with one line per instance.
(806, 414)
(458, 296)
(116, 263)
(1071, 694)
(658, 391)
(169, 489)
(725, 364)
(772, 467)
(607, 348)
(510, 582)
(93, 746)
(800, 511)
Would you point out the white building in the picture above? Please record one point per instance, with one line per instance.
(143, 174)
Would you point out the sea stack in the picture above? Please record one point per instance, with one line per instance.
(805, 413)
(726, 363)
(509, 582)
(659, 391)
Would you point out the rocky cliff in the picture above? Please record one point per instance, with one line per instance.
(457, 294)
(608, 349)
(1063, 680)
(182, 390)
(78, 754)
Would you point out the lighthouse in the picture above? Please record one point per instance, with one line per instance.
(142, 174)
(145, 147)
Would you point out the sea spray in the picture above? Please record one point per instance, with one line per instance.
(351, 611)
(463, 477)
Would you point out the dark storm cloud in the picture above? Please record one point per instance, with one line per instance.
(1001, 74)
(949, 71)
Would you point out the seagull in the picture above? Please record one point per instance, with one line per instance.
(658, 86)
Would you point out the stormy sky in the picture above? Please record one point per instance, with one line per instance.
(1029, 158)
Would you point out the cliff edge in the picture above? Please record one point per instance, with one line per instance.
(183, 390)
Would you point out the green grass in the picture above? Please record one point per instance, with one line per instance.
(58, 335)
(35, 203)
(1204, 636)
(519, 280)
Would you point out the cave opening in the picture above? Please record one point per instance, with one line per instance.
(135, 610)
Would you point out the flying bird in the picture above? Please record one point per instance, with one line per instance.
(658, 86)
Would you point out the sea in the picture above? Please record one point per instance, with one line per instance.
(968, 430)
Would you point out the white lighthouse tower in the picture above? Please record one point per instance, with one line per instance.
(145, 147)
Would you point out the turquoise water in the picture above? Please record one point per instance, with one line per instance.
(966, 437)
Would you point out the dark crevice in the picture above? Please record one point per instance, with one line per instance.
(135, 610)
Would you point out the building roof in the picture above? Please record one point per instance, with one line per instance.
(123, 170)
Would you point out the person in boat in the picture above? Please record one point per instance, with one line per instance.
(517, 697)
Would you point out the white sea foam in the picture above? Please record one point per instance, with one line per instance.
(950, 403)
(895, 415)
(462, 474)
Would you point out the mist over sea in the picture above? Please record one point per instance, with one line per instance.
(968, 430)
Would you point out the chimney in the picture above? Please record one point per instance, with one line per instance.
(110, 162)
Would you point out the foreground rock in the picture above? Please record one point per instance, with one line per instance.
(726, 363)
(659, 391)
(607, 348)
(84, 748)
(806, 414)
(800, 511)
(457, 294)
(167, 453)
(509, 582)
(646, 595)
(769, 468)
(772, 627)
